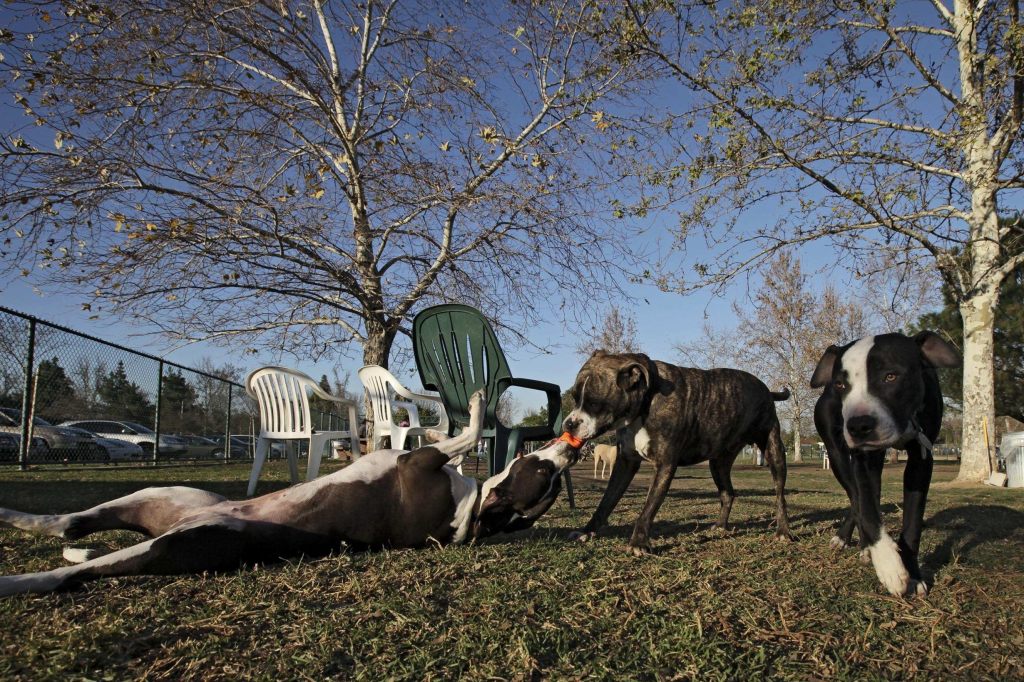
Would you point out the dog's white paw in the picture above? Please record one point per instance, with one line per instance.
(918, 588)
(79, 555)
(582, 536)
(435, 436)
(837, 542)
(889, 568)
(864, 556)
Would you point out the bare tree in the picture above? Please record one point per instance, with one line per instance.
(304, 174)
(780, 336)
(615, 334)
(884, 127)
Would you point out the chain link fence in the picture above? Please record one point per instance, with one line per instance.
(69, 397)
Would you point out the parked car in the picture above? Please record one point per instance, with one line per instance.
(57, 441)
(116, 450)
(131, 432)
(201, 447)
(242, 447)
(10, 447)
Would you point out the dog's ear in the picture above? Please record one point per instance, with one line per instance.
(531, 515)
(823, 372)
(937, 350)
(635, 376)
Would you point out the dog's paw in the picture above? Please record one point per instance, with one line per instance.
(837, 542)
(918, 588)
(434, 436)
(79, 555)
(638, 551)
(889, 568)
(864, 556)
(582, 535)
(785, 534)
(477, 401)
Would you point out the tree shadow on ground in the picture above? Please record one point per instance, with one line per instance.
(971, 529)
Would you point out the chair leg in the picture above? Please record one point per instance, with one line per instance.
(262, 448)
(292, 448)
(316, 452)
(499, 450)
(568, 489)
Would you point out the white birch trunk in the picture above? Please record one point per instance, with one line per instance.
(979, 389)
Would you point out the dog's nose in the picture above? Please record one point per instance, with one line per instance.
(861, 426)
(570, 424)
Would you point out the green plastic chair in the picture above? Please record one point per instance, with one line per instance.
(457, 353)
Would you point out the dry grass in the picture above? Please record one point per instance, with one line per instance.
(706, 605)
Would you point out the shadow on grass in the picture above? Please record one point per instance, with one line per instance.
(972, 530)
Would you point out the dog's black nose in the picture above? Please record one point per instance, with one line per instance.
(861, 426)
(570, 424)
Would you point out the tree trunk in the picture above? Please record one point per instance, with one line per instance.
(979, 387)
(797, 455)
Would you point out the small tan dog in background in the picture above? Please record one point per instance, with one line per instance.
(605, 454)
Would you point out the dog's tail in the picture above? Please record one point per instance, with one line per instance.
(779, 396)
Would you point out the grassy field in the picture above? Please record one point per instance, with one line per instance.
(706, 606)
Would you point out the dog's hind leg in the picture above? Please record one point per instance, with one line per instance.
(151, 511)
(721, 472)
(775, 453)
(842, 469)
(209, 545)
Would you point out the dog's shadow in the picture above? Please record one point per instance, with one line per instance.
(972, 530)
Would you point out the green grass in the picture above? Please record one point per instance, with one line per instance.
(710, 606)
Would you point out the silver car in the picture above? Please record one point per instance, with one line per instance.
(56, 441)
(131, 432)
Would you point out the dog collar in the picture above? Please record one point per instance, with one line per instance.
(918, 435)
(574, 443)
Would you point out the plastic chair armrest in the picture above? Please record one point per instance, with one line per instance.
(554, 393)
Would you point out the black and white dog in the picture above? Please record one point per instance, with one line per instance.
(674, 416)
(883, 392)
(387, 498)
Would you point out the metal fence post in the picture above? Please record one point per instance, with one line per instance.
(156, 420)
(227, 427)
(26, 397)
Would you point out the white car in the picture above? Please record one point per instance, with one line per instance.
(117, 450)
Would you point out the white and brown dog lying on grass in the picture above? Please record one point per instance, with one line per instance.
(387, 498)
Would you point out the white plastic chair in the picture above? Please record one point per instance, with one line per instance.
(284, 415)
(385, 393)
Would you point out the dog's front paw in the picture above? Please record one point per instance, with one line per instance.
(864, 556)
(837, 542)
(918, 588)
(582, 535)
(889, 568)
(638, 547)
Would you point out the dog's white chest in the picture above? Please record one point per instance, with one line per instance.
(642, 442)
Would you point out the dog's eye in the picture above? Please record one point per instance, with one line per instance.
(840, 385)
(891, 377)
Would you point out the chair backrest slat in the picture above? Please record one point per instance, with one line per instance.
(282, 396)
